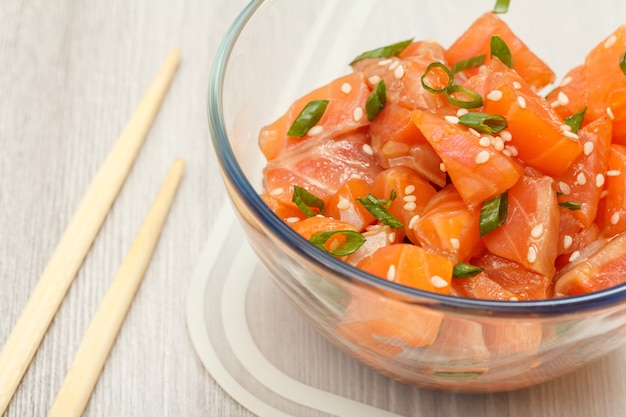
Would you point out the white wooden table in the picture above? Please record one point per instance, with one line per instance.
(71, 74)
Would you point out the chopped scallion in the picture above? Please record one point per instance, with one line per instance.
(502, 6)
(493, 213)
(471, 99)
(484, 123)
(570, 205)
(576, 120)
(306, 201)
(378, 208)
(463, 270)
(351, 243)
(622, 63)
(376, 100)
(472, 62)
(432, 67)
(500, 50)
(383, 52)
(308, 117)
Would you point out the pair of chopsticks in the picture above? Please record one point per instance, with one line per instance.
(48, 294)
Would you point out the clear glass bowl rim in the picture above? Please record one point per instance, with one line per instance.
(232, 172)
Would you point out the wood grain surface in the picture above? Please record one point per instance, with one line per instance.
(71, 74)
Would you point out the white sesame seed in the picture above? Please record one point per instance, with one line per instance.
(566, 81)
(564, 188)
(355, 177)
(531, 255)
(506, 152)
(563, 98)
(511, 149)
(498, 144)
(516, 85)
(374, 79)
(521, 101)
(343, 203)
(438, 282)
(609, 111)
(357, 114)
(346, 88)
(409, 199)
(565, 128)
(452, 119)
(315, 130)
(384, 62)
(581, 178)
(494, 95)
(513, 298)
(474, 132)
(604, 193)
(413, 221)
(537, 230)
(391, 272)
(555, 103)
(277, 191)
(567, 241)
(442, 167)
(484, 141)
(575, 255)
(570, 135)
(506, 136)
(460, 112)
(368, 149)
(394, 65)
(610, 41)
(409, 189)
(613, 173)
(599, 180)
(399, 72)
(292, 219)
(482, 157)
(455, 243)
(391, 237)
(410, 206)
(588, 148)
(615, 218)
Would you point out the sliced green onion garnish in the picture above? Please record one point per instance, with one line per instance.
(570, 205)
(502, 6)
(376, 100)
(483, 122)
(475, 61)
(378, 207)
(431, 67)
(305, 200)
(463, 270)
(473, 100)
(308, 117)
(384, 52)
(622, 62)
(500, 50)
(493, 213)
(354, 240)
(575, 120)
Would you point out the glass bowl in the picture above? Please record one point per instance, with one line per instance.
(276, 51)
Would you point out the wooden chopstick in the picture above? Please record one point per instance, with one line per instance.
(48, 294)
(96, 345)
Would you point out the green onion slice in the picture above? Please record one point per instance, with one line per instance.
(384, 52)
(472, 100)
(483, 122)
(305, 201)
(432, 67)
(575, 120)
(376, 100)
(622, 63)
(308, 117)
(354, 240)
(463, 270)
(501, 6)
(570, 205)
(500, 50)
(493, 213)
(378, 208)
(472, 62)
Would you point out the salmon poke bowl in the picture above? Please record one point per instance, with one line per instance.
(439, 187)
